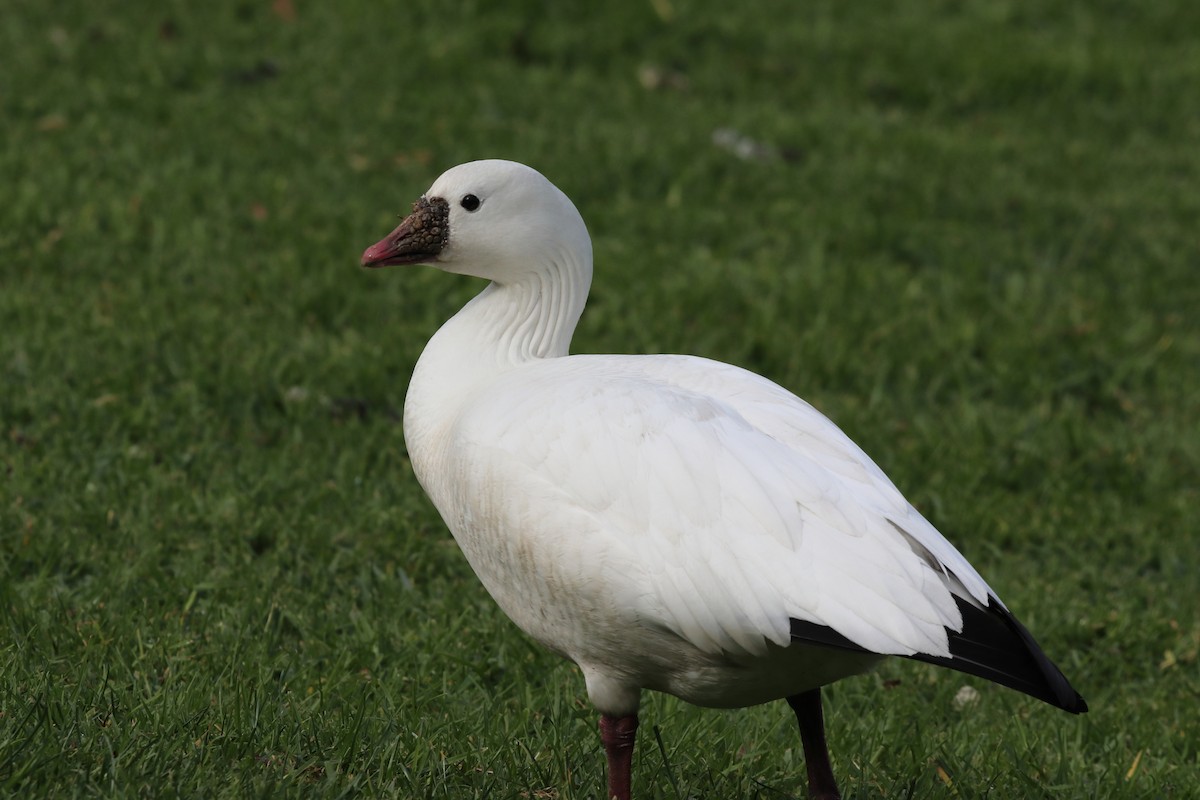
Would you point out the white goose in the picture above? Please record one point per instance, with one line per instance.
(666, 522)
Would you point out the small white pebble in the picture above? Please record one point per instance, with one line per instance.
(742, 146)
(966, 696)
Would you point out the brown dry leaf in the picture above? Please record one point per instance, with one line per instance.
(284, 9)
(1137, 760)
(420, 157)
(51, 122)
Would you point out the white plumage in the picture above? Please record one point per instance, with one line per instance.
(660, 520)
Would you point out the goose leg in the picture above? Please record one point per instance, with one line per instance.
(821, 784)
(617, 734)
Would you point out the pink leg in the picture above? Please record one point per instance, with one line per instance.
(617, 734)
(821, 784)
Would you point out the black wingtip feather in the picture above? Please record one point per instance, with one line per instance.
(993, 645)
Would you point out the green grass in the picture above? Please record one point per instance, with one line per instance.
(977, 251)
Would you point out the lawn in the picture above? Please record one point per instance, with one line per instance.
(967, 231)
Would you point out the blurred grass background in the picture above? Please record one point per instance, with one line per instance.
(965, 230)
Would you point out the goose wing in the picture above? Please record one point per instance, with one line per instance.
(734, 514)
(739, 507)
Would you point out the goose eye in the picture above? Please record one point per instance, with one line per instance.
(470, 202)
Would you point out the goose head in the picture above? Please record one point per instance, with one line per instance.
(492, 219)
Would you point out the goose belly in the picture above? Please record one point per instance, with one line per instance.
(576, 591)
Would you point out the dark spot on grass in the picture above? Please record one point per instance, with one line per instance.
(262, 71)
(519, 48)
(791, 154)
(22, 439)
(261, 542)
(342, 408)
